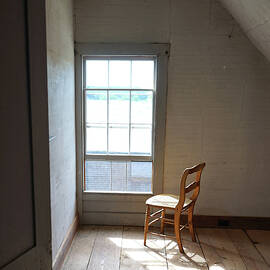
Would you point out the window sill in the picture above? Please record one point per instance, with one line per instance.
(117, 192)
(116, 196)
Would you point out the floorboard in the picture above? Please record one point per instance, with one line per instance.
(193, 257)
(135, 256)
(261, 240)
(81, 249)
(107, 249)
(250, 255)
(121, 248)
(219, 250)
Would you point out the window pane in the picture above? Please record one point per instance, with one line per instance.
(139, 176)
(119, 107)
(96, 107)
(141, 139)
(96, 73)
(119, 74)
(97, 175)
(96, 139)
(141, 107)
(118, 176)
(143, 74)
(118, 139)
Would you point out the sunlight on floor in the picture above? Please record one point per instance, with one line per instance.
(154, 256)
(216, 267)
(116, 240)
(135, 249)
(122, 248)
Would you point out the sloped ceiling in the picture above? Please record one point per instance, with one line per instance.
(254, 17)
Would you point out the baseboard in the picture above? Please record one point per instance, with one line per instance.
(248, 223)
(63, 250)
(137, 219)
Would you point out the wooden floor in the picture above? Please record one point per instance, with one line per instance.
(110, 248)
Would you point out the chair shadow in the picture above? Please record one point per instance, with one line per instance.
(180, 259)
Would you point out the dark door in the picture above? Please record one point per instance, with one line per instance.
(20, 226)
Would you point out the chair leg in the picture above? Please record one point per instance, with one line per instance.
(177, 231)
(190, 223)
(147, 215)
(162, 221)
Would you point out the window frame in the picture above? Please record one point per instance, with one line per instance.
(161, 52)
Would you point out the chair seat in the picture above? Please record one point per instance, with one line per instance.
(166, 201)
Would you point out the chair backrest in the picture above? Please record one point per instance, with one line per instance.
(193, 186)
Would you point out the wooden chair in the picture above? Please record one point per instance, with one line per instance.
(180, 204)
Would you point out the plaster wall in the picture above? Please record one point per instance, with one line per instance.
(218, 95)
(60, 54)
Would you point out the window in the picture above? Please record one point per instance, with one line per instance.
(120, 115)
(119, 100)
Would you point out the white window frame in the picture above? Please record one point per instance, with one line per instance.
(161, 53)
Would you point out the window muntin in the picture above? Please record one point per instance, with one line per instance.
(119, 106)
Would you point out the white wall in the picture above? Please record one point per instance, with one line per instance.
(60, 54)
(254, 17)
(218, 95)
